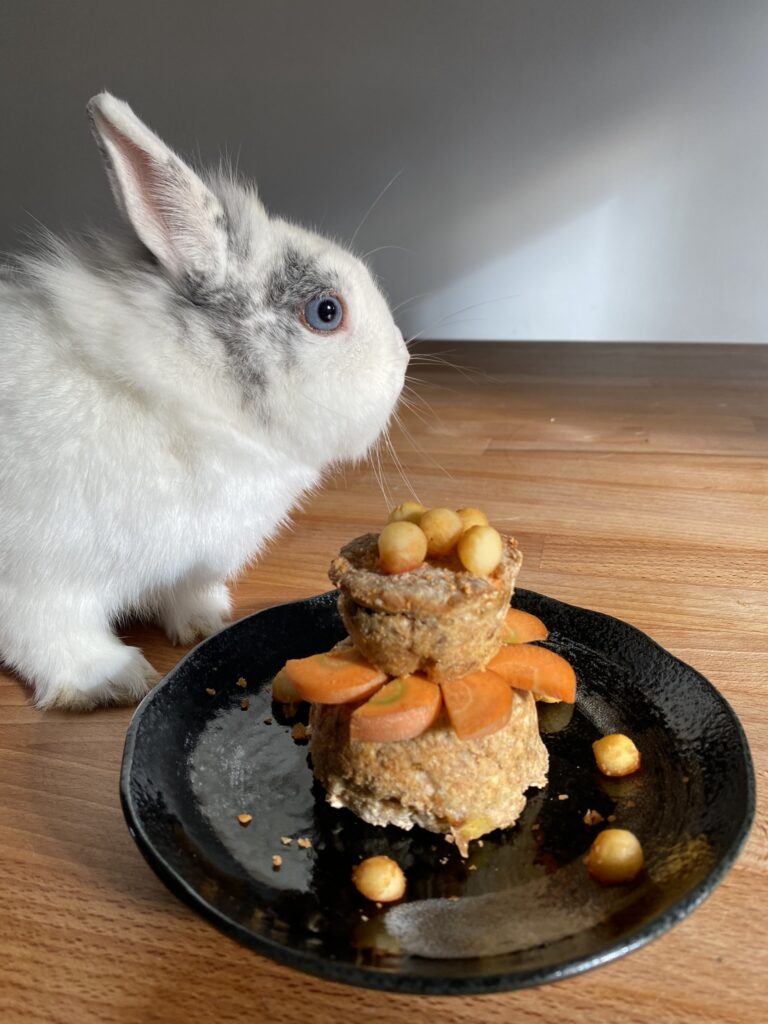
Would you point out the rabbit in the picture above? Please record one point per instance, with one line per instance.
(166, 396)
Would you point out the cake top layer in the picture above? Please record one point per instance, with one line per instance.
(436, 586)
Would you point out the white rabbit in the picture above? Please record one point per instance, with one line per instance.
(165, 398)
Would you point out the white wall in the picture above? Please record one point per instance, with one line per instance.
(570, 169)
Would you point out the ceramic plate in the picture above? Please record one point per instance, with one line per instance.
(521, 910)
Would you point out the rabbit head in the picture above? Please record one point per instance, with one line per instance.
(293, 322)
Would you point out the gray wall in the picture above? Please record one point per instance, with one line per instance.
(572, 169)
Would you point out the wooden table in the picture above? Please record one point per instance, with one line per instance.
(636, 478)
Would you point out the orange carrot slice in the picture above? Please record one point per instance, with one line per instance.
(401, 710)
(537, 669)
(478, 704)
(522, 628)
(334, 678)
(283, 690)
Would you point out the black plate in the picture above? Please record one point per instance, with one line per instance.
(526, 912)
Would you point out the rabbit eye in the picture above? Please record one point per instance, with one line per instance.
(324, 313)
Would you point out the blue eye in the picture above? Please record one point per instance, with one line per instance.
(324, 313)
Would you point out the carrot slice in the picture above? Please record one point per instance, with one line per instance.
(334, 678)
(478, 704)
(537, 669)
(401, 710)
(283, 690)
(521, 628)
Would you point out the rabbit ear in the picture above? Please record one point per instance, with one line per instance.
(173, 212)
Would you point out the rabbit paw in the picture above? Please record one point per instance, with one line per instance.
(115, 675)
(192, 613)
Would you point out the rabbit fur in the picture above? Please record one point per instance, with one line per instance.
(163, 404)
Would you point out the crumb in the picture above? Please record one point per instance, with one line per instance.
(630, 803)
(535, 826)
(300, 733)
(277, 860)
(286, 840)
(443, 860)
(449, 838)
(453, 899)
(472, 867)
(241, 683)
(379, 905)
(433, 849)
(592, 818)
(210, 691)
(686, 780)
(245, 819)
(304, 843)
(245, 704)
(611, 817)
(364, 917)
(562, 796)
(268, 721)
(480, 843)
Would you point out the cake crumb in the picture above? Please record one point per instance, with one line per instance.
(562, 796)
(268, 721)
(443, 860)
(449, 838)
(210, 691)
(686, 780)
(277, 861)
(379, 905)
(245, 704)
(472, 867)
(592, 818)
(480, 843)
(630, 803)
(286, 840)
(611, 817)
(364, 917)
(304, 843)
(535, 826)
(241, 683)
(245, 819)
(300, 733)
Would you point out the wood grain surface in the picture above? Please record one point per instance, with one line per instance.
(636, 478)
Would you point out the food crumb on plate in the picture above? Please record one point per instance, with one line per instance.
(304, 843)
(268, 721)
(245, 819)
(364, 917)
(245, 704)
(242, 683)
(299, 733)
(443, 860)
(210, 691)
(452, 899)
(562, 796)
(286, 840)
(472, 867)
(611, 817)
(449, 838)
(277, 861)
(592, 818)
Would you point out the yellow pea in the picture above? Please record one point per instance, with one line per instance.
(616, 754)
(480, 550)
(402, 547)
(409, 512)
(442, 527)
(380, 879)
(472, 517)
(615, 857)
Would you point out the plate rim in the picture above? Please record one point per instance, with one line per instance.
(445, 985)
